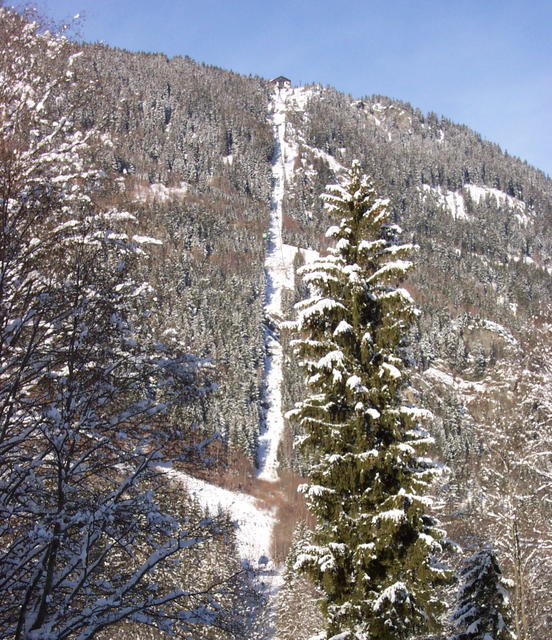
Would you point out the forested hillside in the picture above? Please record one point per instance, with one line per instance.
(202, 133)
(160, 179)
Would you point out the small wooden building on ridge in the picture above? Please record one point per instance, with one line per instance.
(281, 82)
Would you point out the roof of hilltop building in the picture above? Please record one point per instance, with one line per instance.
(281, 81)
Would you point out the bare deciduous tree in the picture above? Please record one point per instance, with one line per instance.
(86, 391)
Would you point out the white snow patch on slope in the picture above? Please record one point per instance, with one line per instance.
(158, 191)
(286, 268)
(280, 269)
(467, 389)
(439, 376)
(334, 165)
(254, 525)
(298, 97)
(295, 100)
(479, 193)
(494, 327)
(451, 200)
(383, 112)
(454, 201)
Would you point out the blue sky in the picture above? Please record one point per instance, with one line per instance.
(483, 63)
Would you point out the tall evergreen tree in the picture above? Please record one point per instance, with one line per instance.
(374, 544)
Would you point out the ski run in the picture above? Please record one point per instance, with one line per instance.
(279, 275)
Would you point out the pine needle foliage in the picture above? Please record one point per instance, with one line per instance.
(373, 548)
(483, 609)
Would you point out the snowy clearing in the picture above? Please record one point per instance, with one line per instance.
(158, 191)
(254, 527)
(254, 524)
(454, 201)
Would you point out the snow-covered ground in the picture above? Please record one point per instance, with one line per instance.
(254, 525)
(479, 193)
(454, 201)
(160, 192)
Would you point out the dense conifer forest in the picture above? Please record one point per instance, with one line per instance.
(138, 197)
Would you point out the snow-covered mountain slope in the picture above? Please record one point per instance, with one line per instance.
(482, 220)
(253, 523)
(455, 201)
